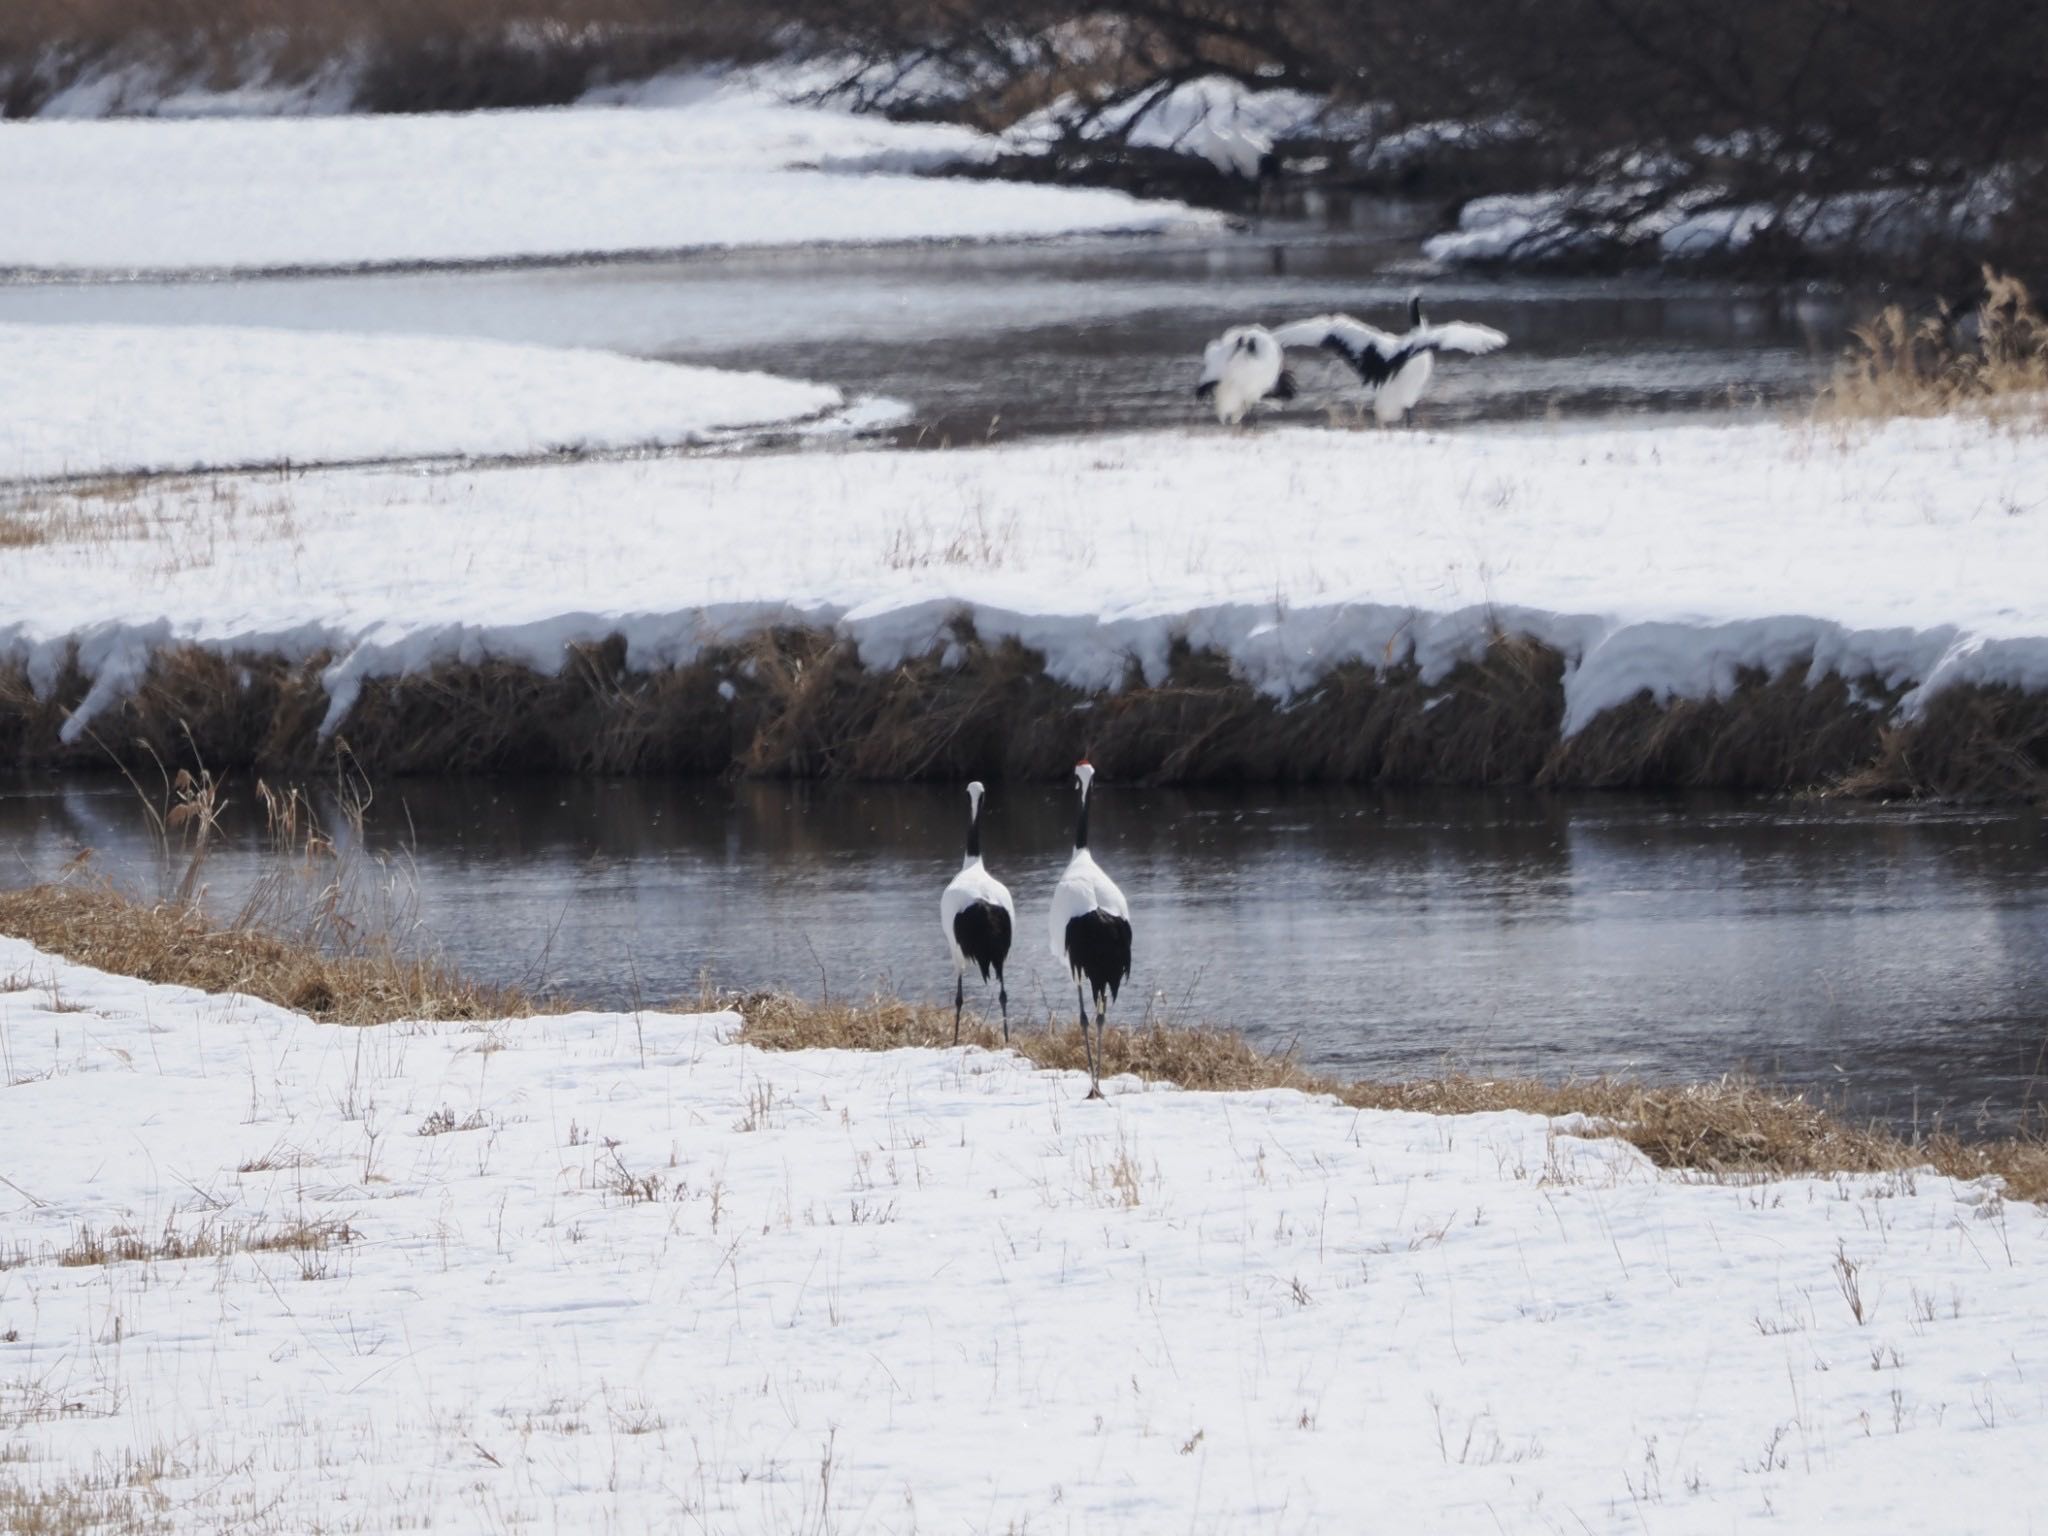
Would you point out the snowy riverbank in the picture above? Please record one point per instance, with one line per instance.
(89, 400)
(611, 1269)
(1665, 559)
(714, 165)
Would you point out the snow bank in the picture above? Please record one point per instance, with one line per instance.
(107, 399)
(614, 1272)
(720, 163)
(1659, 557)
(1564, 224)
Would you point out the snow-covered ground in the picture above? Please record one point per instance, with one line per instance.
(613, 1272)
(98, 399)
(1663, 557)
(706, 163)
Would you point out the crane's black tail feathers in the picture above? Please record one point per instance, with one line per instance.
(982, 930)
(1099, 948)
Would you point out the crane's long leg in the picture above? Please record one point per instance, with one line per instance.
(1003, 996)
(1094, 1076)
(959, 996)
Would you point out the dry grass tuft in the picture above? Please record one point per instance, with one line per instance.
(177, 945)
(1980, 742)
(92, 1246)
(1730, 1128)
(100, 1504)
(1932, 367)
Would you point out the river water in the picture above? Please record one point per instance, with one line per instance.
(1892, 959)
(1013, 340)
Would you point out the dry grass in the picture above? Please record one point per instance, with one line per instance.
(327, 930)
(412, 55)
(1730, 1128)
(1901, 367)
(110, 1502)
(176, 944)
(186, 524)
(801, 704)
(101, 512)
(90, 1246)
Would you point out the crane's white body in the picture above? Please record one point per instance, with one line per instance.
(973, 883)
(978, 919)
(1397, 369)
(1089, 925)
(1393, 400)
(1082, 888)
(1240, 368)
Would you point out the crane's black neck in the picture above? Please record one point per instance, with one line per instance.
(974, 828)
(1081, 826)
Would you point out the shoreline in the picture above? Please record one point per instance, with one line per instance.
(1730, 1129)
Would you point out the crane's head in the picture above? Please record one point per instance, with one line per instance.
(1084, 772)
(974, 793)
(1415, 309)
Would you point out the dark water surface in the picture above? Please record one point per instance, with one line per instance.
(1897, 958)
(1010, 340)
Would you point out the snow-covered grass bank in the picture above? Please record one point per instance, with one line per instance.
(90, 400)
(615, 1271)
(715, 164)
(1670, 561)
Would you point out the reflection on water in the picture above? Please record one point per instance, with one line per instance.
(1895, 956)
(1060, 336)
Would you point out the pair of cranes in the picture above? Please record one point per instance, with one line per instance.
(1248, 363)
(1089, 924)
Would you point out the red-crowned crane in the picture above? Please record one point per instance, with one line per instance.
(1395, 368)
(1091, 932)
(1239, 369)
(979, 917)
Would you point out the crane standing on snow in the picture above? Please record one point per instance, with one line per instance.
(1091, 932)
(1395, 368)
(978, 917)
(1239, 369)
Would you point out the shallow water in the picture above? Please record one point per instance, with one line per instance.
(1895, 958)
(1009, 340)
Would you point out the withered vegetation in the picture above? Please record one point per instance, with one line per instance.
(328, 931)
(176, 944)
(409, 55)
(1991, 361)
(91, 1246)
(802, 704)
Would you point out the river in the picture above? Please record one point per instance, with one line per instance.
(1891, 959)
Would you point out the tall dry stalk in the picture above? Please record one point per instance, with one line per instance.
(1941, 364)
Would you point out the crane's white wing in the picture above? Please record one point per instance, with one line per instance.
(1458, 336)
(1366, 348)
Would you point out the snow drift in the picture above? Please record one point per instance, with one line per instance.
(90, 400)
